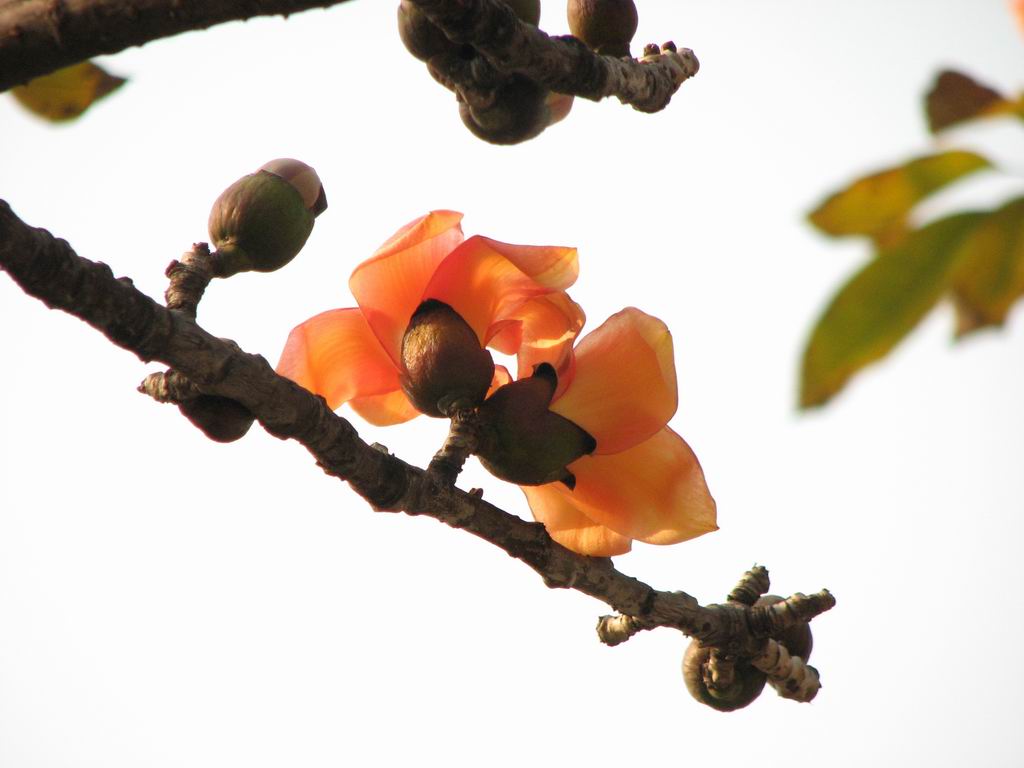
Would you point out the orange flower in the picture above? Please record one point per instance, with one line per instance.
(594, 417)
(642, 480)
(511, 296)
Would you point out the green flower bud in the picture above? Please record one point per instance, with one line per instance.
(522, 441)
(262, 221)
(606, 26)
(220, 418)
(444, 368)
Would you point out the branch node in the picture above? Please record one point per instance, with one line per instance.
(463, 434)
(169, 387)
(613, 630)
(189, 277)
(790, 676)
(751, 586)
(770, 621)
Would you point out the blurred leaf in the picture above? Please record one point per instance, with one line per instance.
(989, 275)
(880, 305)
(67, 93)
(877, 205)
(956, 98)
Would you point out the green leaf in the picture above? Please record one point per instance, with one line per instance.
(877, 205)
(989, 275)
(67, 93)
(956, 98)
(880, 305)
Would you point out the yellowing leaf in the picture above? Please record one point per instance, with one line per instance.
(989, 275)
(66, 93)
(877, 205)
(880, 305)
(957, 97)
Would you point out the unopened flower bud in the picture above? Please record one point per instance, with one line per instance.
(606, 26)
(219, 418)
(424, 39)
(420, 36)
(521, 441)
(559, 105)
(517, 112)
(444, 368)
(746, 684)
(527, 10)
(262, 220)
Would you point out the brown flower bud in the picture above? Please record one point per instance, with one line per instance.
(220, 418)
(521, 441)
(559, 106)
(527, 10)
(746, 684)
(444, 368)
(606, 26)
(517, 112)
(262, 220)
(420, 36)
(424, 39)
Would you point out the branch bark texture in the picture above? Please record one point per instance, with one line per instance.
(561, 64)
(47, 268)
(40, 36)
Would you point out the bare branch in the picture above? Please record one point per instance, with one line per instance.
(169, 387)
(40, 36)
(789, 675)
(48, 269)
(561, 64)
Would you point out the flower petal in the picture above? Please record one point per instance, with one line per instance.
(541, 331)
(570, 527)
(335, 354)
(550, 325)
(654, 492)
(624, 386)
(386, 409)
(486, 282)
(501, 378)
(389, 285)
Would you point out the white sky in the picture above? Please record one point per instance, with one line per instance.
(166, 601)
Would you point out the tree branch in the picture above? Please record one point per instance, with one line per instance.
(562, 64)
(48, 269)
(40, 36)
